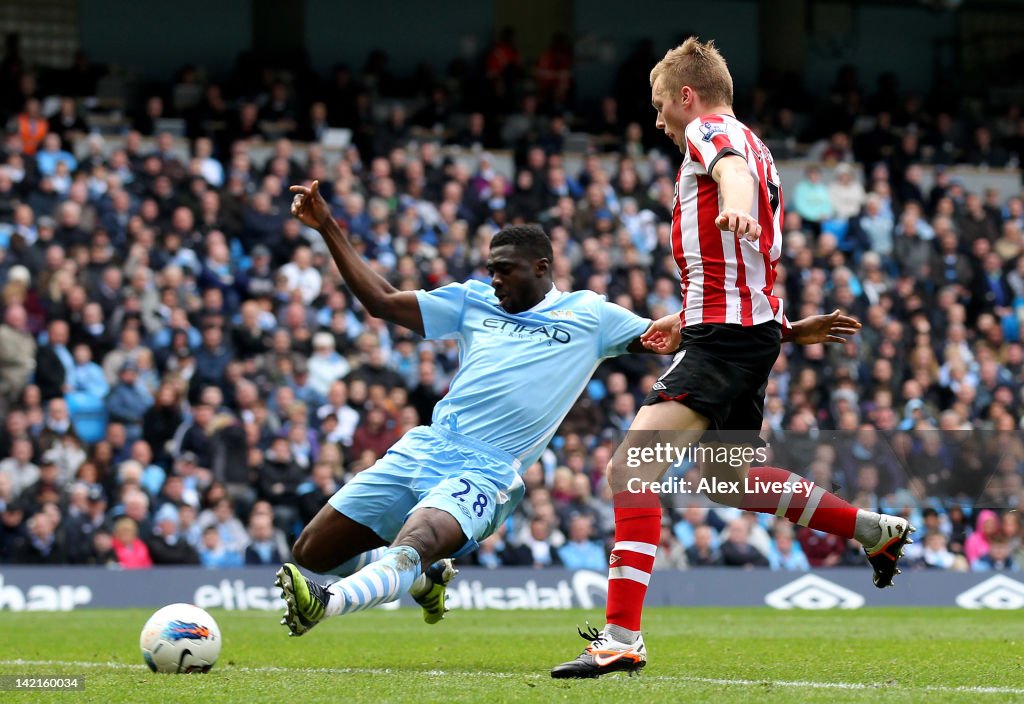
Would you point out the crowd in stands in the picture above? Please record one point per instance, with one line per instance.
(185, 378)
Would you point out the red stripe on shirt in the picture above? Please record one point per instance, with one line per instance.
(711, 250)
(766, 219)
(677, 246)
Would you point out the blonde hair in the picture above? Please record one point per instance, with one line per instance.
(699, 66)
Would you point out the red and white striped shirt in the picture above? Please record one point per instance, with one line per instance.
(725, 278)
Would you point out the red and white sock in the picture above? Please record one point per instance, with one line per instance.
(814, 508)
(637, 533)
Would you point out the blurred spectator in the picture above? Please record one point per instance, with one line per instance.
(846, 192)
(167, 546)
(986, 528)
(17, 354)
(280, 478)
(702, 553)
(489, 554)
(997, 559)
(821, 549)
(82, 526)
(786, 553)
(18, 467)
(50, 156)
(102, 551)
(213, 553)
(221, 516)
(553, 73)
(87, 376)
(314, 494)
(737, 550)
(496, 551)
(579, 551)
(31, 127)
(42, 543)
(811, 199)
(301, 275)
(935, 553)
(128, 401)
(130, 550)
(373, 434)
(262, 548)
(671, 554)
(325, 365)
(536, 547)
(48, 488)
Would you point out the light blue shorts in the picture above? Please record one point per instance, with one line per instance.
(479, 485)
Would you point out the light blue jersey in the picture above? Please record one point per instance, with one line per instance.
(518, 377)
(520, 373)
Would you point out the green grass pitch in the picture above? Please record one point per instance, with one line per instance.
(707, 654)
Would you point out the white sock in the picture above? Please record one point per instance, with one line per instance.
(622, 635)
(867, 532)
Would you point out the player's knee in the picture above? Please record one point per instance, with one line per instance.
(619, 474)
(423, 538)
(729, 494)
(300, 548)
(614, 471)
(306, 554)
(723, 498)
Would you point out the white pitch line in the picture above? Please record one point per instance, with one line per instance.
(794, 684)
(847, 685)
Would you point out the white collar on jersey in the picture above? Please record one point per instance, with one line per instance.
(548, 299)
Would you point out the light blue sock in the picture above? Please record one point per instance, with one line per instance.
(377, 583)
(358, 562)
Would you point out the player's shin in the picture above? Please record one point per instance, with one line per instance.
(637, 533)
(783, 493)
(377, 583)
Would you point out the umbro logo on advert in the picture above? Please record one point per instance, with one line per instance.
(999, 592)
(813, 592)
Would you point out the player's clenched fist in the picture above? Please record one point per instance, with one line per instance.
(741, 223)
(309, 206)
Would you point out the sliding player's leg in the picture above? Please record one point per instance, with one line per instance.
(427, 532)
(333, 543)
(430, 504)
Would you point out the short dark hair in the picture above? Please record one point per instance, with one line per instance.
(531, 240)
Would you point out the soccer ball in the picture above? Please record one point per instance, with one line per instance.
(180, 638)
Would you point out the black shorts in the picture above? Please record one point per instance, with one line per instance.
(721, 372)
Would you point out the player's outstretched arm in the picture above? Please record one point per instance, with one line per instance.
(381, 299)
(834, 327)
